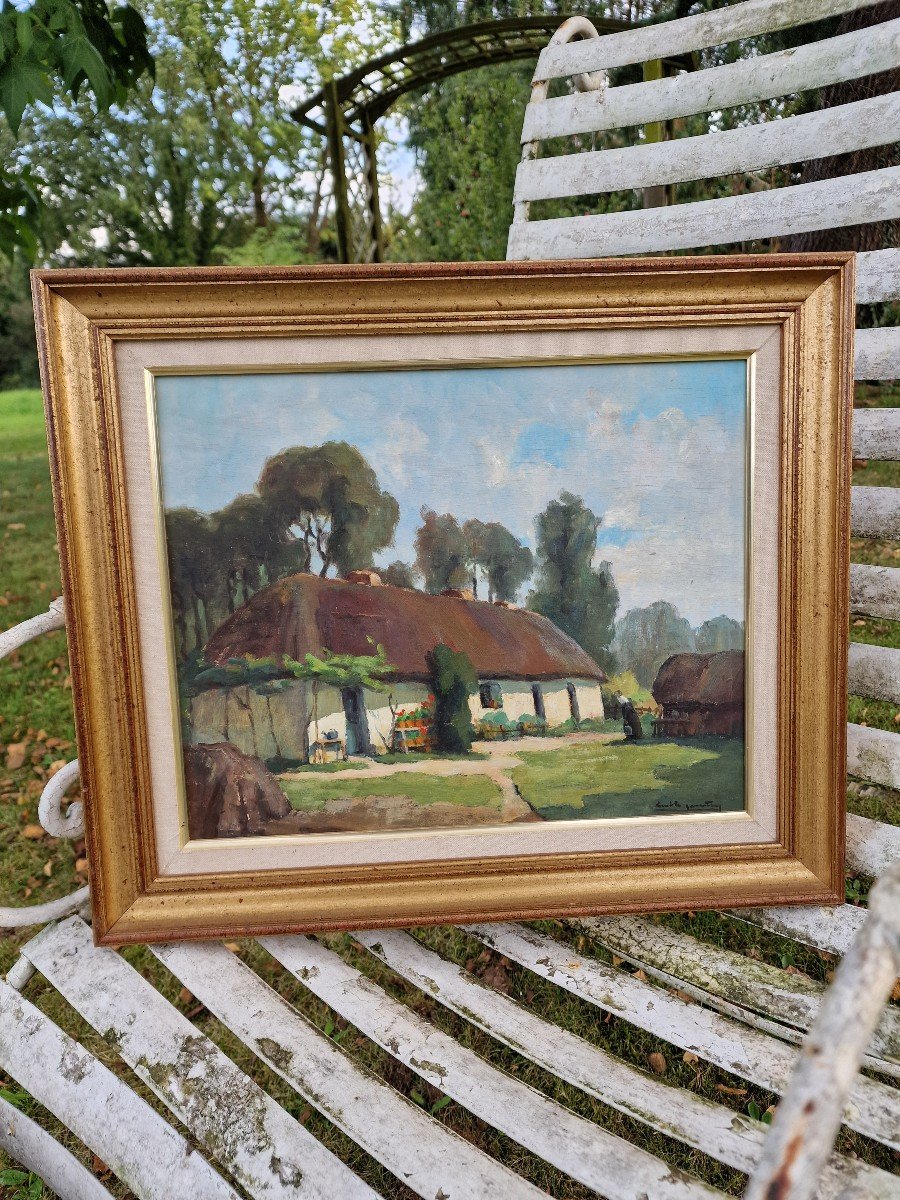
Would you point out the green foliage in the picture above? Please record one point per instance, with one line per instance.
(442, 552)
(22, 1185)
(52, 45)
(317, 507)
(578, 597)
(346, 670)
(453, 680)
(398, 574)
(646, 637)
(18, 353)
(332, 495)
(505, 561)
(270, 675)
(718, 634)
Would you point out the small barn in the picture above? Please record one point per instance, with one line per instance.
(525, 664)
(701, 693)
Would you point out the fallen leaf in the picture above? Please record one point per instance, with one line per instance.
(15, 525)
(55, 766)
(573, 966)
(15, 755)
(657, 1062)
(34, 832)
(895, 991)
(616, 961)
(730, 1091)
(232, 946)
(98, 1166)
(690, 1058)
(641, 975)
(185, 996)
(81, 865)
(48, 867)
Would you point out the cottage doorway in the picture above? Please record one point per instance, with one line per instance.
(357, 722)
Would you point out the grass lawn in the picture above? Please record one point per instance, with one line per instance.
(471, 791)
(634, 779)
(36, 709)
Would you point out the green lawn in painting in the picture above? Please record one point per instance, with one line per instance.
(471, 791)
(631, 779)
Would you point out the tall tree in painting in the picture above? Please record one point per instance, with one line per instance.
(442, 552)
(316, 508)
(398, 574)
(719, 633)
(504, 561)
(577, 596)
(646, 637)
(330, 497)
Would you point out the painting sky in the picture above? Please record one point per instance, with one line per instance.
(656, 449)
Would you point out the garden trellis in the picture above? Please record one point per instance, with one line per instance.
(740, 1015)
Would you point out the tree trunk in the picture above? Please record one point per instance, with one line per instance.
(876, 234)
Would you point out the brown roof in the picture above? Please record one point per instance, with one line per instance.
(306, 614)
(705, 680)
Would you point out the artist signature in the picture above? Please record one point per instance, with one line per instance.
(677, 806)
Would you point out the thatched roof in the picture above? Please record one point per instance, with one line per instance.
(701, 680)
(306, 614)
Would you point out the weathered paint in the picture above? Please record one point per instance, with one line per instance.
(827, 131)
(712, 974)
(876, 431)
(874, 754)
(600, 1160)
(873, 1108)
(427, 1157)
(877, 277)
(100, 1109)
(269, 1153)
(874, 671)
(809, 1115)
(36, 1150)
(686, 34)
(875, 511)
(877, 354)
(826, 204)
(875, 591)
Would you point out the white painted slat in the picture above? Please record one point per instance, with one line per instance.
(827, 131)
(874, 754)
(671, 38)
(876, 433)
(825, 204)
(746, 81)
(810, 1114)
(270, 1154)
(34, 1149)
(874, 671)
(727, 1136)
(871, 846)
(875, 591)
(26, 631)
(875, 512)
(877, 353)
(698, 1122)
(742, 1051)
(422, 1153)
(829, 929)
(877, 276)
(100, 1109)
(711, 975)
(589, 1154)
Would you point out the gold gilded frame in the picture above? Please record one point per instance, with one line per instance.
(82, 314)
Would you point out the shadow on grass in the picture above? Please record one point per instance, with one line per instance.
(711, 785)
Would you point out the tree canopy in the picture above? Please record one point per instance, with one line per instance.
(576, 595)
(646, 637)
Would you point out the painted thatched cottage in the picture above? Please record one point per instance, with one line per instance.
(525, 664)
(701, 693)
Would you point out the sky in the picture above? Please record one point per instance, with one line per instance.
(656, 449)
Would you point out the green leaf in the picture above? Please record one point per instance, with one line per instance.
(439, 1105)
(21, 83)
(24, 31)
(417, 1097)
(13, 1178)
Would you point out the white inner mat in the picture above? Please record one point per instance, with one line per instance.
(137, 362)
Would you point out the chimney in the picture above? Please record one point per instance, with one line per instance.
(369, 578)
(459, 593)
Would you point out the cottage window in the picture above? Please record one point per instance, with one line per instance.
(491, 695)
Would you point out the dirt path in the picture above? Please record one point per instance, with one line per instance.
(502, 758)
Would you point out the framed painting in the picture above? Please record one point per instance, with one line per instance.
(428, 593)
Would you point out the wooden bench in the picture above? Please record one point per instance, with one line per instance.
(228, 1136)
